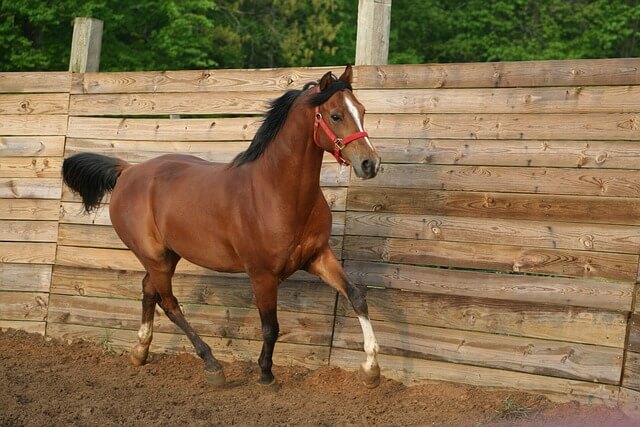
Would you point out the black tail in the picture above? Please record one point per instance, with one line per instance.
(91, 176)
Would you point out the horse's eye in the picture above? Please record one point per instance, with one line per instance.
(335, 118)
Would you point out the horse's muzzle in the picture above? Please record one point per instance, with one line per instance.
(367, 168)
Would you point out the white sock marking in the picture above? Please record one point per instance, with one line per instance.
(370, 344)
(145, 333)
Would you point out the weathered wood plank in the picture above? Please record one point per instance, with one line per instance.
(169, 103)
(140, 151)
(33, 125)
(225, 129)
(293, 295)
(631, 377)
(54, 103)
(588, 182)
(30, 167)
(603, 99)
(629, 402)
(29, 231)
(31, 146)
(561, 262)
(25, 277)
(589, 237)
(581, 72)
(100, 236)
(30, 188)
(537, 153)
(29, 209)
(35, 82)
(30, 327)
(412, 371)
(197, 80)
(119, 259)
(586, 209)
(633, 343)
(561, 323)
(219, 321)
(477, 284)
(28, 306)
(27, 253)
(542, 357)
(597, 126)
(225, 349)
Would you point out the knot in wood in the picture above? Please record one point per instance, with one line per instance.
(602, 157)
(587, 241)
(377, 207)
(488, 201)
(434, 227)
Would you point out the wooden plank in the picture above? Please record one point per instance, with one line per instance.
(581, 72)
(32, 146)
(30, 327)
(225, 349)
(29, 209)
(55, 103)
(631, 377)
(30, 188)
(26, 306)
(101, 236)
(602, 99)
(25, 277)
(219, 321)
(119, 259)
(86, 44)
(293, 295)
(197, 80)
(629, 402)
(586, 209)
(542, 357)
(219, 129)
(13, 124)
(170, 103)
(536, 153)
(633, 343)
(596, 126)
(561, 323)
(140, 151)
(559, 262)
(412, 371)
(478, 284)
(27, 253)
(29, 231)
(30, 167)
(35, 82)
(589, 237)
(588, 182)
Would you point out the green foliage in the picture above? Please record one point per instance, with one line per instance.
(197, 34)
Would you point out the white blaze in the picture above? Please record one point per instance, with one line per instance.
(356, 118)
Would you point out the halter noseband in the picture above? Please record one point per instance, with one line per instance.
(338, 143)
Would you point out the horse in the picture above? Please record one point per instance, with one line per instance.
(263, 213)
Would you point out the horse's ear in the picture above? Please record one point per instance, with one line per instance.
(326, 81)
(347, 76)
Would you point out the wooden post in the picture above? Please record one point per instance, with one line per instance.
(86, 45)
(372, 42)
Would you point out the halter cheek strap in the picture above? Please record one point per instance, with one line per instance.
(338, 143)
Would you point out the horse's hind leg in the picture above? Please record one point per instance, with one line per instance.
(161, 281)
(150, 297)
(328, 268)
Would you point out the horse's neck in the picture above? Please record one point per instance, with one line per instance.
(292, 162)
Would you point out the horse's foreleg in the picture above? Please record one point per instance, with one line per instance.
(150, 297)
(213, 370)
(265, 290)
(328, 268)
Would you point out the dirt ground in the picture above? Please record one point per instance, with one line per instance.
(47, 382)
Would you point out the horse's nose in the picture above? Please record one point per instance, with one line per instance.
(369, 167)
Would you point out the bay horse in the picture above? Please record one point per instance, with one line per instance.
(264, 213)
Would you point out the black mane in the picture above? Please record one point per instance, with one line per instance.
(277, 115)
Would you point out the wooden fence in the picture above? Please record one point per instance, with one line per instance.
(500, 241)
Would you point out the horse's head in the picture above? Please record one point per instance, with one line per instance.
(339, 125)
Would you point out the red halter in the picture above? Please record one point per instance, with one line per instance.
(338, 143)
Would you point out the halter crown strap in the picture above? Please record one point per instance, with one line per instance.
(338, 143)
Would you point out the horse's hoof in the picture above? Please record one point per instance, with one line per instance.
(215, 378)
(139, 356)
(271, 384)
(370, 378)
